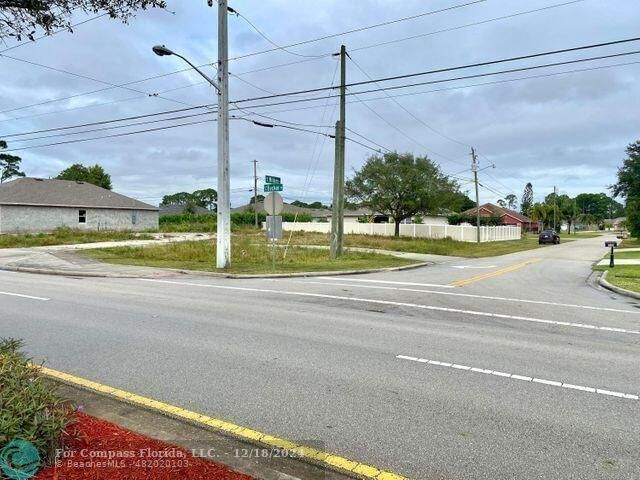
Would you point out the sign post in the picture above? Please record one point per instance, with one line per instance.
(273, 205)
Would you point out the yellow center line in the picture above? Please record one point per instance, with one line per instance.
(495, 273)
(328, 460)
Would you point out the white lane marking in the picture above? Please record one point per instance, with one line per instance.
(470, 295)
(398, 304)
(24, 296)
(524, 378)
(390, 282)
(473, 266)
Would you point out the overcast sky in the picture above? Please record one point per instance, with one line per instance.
(569, 130)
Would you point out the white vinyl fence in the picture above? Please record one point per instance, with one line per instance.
(462, 233)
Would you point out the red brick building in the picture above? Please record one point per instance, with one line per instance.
(508, 217)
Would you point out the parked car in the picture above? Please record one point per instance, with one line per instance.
(549, 236)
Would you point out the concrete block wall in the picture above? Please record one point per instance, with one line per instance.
(28, 219)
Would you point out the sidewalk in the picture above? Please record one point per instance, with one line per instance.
(65, 259)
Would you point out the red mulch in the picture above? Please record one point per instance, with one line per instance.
(133, 457)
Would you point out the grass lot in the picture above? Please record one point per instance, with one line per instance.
(423, 245)
(247, 257)
(630, 243)
(66, 236)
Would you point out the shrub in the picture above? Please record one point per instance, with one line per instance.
(188, 222)
(30, 408)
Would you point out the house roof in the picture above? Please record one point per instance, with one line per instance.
(177, 209)
(65, 193)
(501, 212)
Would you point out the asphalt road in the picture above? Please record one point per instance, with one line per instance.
(533, 374)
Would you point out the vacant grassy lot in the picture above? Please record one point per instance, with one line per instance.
(422, 245)
(66, 236)
(247, 257)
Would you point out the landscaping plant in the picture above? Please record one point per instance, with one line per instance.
(30, 408)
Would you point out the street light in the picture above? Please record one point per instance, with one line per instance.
(163, 51)
(223, 228)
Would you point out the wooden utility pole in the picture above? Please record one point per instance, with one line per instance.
(555, 206)
(255, 189)
(337, 216)
(474, 169)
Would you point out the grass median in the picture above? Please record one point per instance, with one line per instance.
(67, 236)
(247, 257)
(444, 246)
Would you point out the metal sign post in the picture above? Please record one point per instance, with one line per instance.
(273, 205)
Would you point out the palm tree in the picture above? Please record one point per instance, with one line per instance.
(540, 214)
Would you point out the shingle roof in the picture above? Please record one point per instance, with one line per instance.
(65, 193)
(496, 210)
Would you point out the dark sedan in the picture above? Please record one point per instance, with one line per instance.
(549, 236)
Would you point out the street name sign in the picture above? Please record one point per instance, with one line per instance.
(273, 187)
(270, 179)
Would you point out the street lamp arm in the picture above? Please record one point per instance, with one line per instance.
(204, 75)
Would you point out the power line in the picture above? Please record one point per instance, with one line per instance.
(360, 29)
(467, 25)
(352, 93)
(54, 33)
(415, 117)
(278, 47)
(462, 67)
(369, 140)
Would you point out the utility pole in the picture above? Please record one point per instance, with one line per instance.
(223, 253)
(474, 169)
(337, 216)
(255, 189)
(554, 208)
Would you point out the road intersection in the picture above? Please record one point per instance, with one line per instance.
(522, 369)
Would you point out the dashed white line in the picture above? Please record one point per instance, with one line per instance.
(399, 304)
(31, 297)
(391, 283)
(553, 383)
(470, 295)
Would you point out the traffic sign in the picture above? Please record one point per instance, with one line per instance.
(273, 187)
(270, 179)
(273, 203)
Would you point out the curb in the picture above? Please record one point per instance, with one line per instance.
(303, 453)
(622, 291)
(71, 273)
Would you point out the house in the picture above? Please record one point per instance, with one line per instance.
(616, 223)
(40, 205)
(181, 208)
(507, 216)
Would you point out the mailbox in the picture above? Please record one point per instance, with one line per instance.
(611, 244)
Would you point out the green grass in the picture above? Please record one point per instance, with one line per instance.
(247, 257)
(423, 245)
(578, 235)
(623, 276)
(66, 236)
(630, 243)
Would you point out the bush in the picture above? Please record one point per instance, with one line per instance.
(30, 408)
(188, 222)
(458, 218)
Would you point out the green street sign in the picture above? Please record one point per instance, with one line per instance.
(273, 187)
(270, 179)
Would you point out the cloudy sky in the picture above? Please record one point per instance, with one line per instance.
(568, 130)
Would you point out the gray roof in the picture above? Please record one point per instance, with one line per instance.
(65, 193)
(176, 209)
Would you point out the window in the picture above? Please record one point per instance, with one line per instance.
(82, 216)
(134, 218)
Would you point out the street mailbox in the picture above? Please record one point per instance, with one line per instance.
(611, 259)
